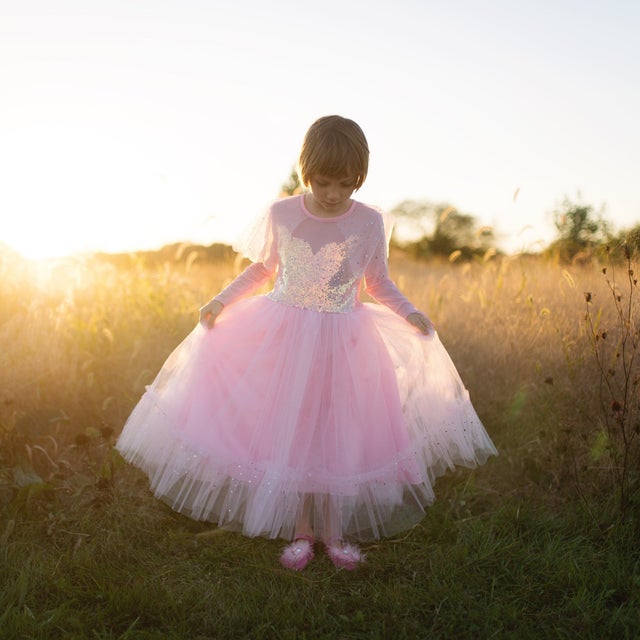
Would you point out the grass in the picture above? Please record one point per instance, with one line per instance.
(130, 568)
(528, 546)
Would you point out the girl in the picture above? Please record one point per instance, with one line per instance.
(304, 413)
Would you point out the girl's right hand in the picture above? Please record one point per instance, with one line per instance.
(421, 322)
(209, 313)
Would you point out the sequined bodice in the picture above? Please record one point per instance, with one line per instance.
(318, 263)
(324, 280)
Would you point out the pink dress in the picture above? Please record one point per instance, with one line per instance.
(306, 400)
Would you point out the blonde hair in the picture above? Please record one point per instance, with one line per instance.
(334, 147)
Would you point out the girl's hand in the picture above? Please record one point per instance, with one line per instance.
(421, 322)
(209, 313)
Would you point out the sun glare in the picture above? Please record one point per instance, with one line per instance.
(72, 192)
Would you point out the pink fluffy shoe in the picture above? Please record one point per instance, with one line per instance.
(345, 555)
(297, 554)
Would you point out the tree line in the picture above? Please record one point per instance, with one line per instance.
(427, 230)
(432, 230)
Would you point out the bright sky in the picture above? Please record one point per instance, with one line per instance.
(130, 124)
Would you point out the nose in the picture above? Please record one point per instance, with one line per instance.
(333, 196)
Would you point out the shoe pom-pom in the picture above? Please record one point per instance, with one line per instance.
(297, 555)
(345, 555)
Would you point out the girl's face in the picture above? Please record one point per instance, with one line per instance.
(330, 196)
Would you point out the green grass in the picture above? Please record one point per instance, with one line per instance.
(112, 562)
(528, 546)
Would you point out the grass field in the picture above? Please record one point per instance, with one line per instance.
(538, 543)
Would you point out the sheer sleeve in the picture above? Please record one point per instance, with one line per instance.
(249, 281)
(377, 282)
(388, 223)
(258, 243)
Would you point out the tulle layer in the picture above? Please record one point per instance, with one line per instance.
(279, 413)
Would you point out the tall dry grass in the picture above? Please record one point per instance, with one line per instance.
(80, 339)
(525, 546)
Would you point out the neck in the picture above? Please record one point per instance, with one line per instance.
(324, 211)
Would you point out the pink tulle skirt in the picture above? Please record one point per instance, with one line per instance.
(280, 413)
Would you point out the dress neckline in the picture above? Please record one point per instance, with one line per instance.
(308, 213)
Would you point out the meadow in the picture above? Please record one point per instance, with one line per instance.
(541, 542)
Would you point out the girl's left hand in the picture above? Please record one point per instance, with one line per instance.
(421, 322)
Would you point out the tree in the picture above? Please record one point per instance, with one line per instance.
(580, 228)
(629, 238)
(292, 186)
(453, 231)
(426, 229)
(414, 220)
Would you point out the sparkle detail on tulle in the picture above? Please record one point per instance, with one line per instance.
(322, 281)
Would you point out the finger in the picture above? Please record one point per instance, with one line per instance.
(205, 320)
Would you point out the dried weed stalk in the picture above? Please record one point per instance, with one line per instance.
(613, 331)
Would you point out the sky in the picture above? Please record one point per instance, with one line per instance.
(128, 125)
